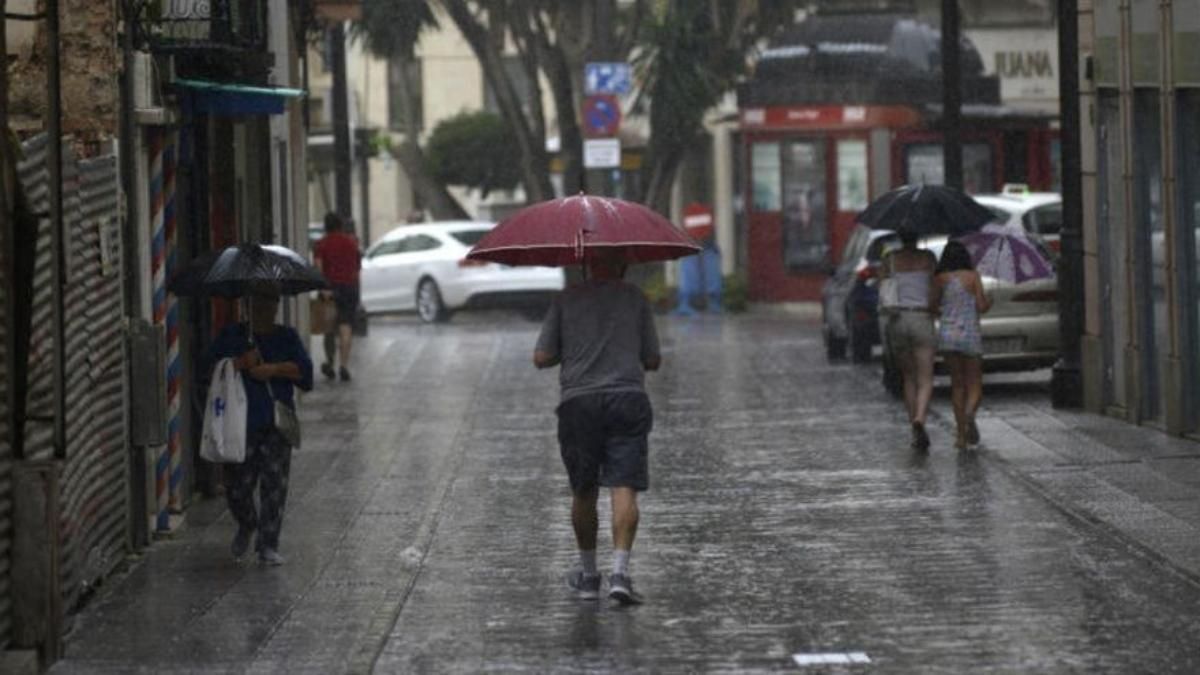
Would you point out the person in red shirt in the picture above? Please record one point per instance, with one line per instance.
(339, 259)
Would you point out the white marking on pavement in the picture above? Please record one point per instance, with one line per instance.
(831, 658)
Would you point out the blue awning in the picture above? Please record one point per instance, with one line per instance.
(230, 99)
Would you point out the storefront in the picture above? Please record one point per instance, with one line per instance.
(1142, 212)
(843, 108)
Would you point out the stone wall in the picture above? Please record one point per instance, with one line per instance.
(90, 70)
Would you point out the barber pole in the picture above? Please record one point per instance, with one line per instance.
(169, 465)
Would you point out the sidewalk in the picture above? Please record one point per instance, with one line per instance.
(427, 528)
(1138, 482)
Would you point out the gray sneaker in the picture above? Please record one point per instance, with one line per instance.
(620, 588)
(586, 586)
(270, 557)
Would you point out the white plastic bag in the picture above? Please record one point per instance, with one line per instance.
(224, 436)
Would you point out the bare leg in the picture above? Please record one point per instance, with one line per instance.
(329, 341)
(908, 372)
(624, 517)
(923, 365)
(584, 519)
(958, 395)
(974, 391)
(345, 335)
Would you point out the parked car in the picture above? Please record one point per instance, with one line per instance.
(424, 268)
(850, 296)
(1020, 332)
(1039, 213)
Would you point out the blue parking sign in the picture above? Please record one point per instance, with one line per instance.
(607, 78)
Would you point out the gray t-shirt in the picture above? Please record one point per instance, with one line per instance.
(602, 331)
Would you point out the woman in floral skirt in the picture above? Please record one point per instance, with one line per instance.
(958, 294)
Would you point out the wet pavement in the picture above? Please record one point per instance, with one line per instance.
(427, 528)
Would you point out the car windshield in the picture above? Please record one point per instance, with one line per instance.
(468, 237)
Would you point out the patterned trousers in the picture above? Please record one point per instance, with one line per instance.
(268, 461)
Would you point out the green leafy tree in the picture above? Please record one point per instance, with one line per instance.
(462, 151)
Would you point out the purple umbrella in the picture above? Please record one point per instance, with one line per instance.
(1007, 254)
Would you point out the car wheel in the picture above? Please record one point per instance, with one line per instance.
(835, 348)
(430, 307)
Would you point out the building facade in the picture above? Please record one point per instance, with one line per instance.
(383, 193)
(1140, 98)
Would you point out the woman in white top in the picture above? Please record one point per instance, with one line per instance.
(910, 330)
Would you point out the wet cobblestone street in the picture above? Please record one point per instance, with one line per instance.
(427, 528)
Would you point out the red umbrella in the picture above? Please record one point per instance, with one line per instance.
(561, 231)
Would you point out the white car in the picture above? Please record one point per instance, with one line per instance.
(1039, 213)
(424, 268)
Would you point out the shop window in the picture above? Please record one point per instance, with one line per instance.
(765, 169)
(1188, 145)
(852, 175)
(923, 164)
(805, 210)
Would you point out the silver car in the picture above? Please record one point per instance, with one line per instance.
(1020, 332)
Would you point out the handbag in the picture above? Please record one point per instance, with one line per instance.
(286, 421)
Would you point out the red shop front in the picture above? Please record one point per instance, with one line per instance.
(811, 170)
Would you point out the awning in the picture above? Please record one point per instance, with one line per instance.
(230, 99)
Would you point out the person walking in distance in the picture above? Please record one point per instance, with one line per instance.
(910, 331)
(274, 363)
(601, 333)
(958, 294)
(340, 260)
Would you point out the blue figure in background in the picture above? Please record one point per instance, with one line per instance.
(700, 274)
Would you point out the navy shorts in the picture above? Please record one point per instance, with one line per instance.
(604, 440)
(345, 298)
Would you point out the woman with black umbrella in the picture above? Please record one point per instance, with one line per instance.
(910, 330)
(273, 362)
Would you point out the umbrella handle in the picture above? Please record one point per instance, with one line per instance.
(579, 247)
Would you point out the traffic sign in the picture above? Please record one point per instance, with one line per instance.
(607, 78)
(601, 153)
(601, 116)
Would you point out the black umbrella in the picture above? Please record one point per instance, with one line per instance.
(230, 272)
(926, 210)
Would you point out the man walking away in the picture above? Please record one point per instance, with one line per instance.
(602, 334)
(339, 259)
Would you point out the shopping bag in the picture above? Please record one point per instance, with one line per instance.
(224, 436)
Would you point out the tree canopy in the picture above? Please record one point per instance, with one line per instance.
(461, 151)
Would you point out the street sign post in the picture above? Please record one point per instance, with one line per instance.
(607, 78)
(601, 116)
